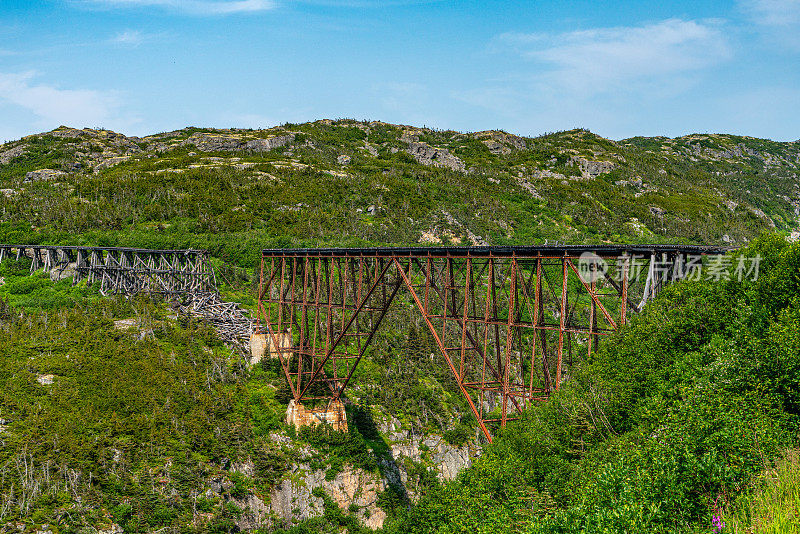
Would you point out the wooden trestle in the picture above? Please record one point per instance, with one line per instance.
(122, 270)
(507, 321)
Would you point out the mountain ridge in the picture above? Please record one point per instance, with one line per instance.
(380, 183)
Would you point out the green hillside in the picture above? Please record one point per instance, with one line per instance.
(348, 182)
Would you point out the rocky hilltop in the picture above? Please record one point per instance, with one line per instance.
(385, 183)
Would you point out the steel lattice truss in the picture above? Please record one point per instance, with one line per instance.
(122, 270)
(507, 321)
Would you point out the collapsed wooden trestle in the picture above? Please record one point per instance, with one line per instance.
(507, 321)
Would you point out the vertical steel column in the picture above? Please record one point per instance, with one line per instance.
(563, 321)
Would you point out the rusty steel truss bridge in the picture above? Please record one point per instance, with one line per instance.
(508, 322)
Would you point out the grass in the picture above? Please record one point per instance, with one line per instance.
(773, 505)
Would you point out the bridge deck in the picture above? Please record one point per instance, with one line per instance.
(497, 251)
(101, 248)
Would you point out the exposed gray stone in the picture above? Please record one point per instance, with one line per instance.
(438, 157)
(527, 186)
(269, 143)
(223, 141)
(293, 499)
(45, 380)
(496, 147)
(43, 174)
(370, 149)
(108, 162)
(592, 169)
(11, 153)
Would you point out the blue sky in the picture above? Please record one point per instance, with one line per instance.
(618, 68)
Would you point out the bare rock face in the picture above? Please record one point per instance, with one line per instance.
(294, 499)
(370, 149)
(70, 133)
(270, 143)
(501, 142)
(112, 529)
(256, 513)
(43, 174)
(8, 155)
(441, 232)
(592, 169)
(223, 141)
(45, 380)
(496, 147)
(527, 186)
(447, 459)
(106, 163)
(437, 157)
(760, 214)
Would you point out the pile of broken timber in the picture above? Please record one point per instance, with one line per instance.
(233, 324)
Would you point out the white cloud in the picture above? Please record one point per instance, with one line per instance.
(193, 7)
(621, 58)
(53, 106)
(615, 81)
(773, 12)
(129, 38)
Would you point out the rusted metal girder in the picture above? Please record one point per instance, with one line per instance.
(507, 321)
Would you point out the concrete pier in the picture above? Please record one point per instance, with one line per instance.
(333, 415)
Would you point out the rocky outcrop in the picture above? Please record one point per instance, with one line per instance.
(106, 163)
(544, 173)
(527, 186)
(255, 512)
(72, 133)
(7, 155)
(294, 498)
(445, 231)
(223, 141)
(107, 138)
(445, 458)
(761, 215)
(501, 142)
(437, 157)
(592, 169)
(43, 174)
(738, 151)
(45, 380)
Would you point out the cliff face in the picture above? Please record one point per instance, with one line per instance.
(301, 494)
